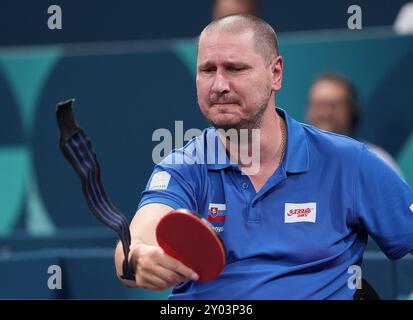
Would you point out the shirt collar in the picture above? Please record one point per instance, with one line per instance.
(296, 158)
(297, 154)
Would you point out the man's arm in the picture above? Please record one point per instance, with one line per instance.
(142, 229)
(155, 270)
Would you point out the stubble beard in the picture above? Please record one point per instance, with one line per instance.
(252, 122)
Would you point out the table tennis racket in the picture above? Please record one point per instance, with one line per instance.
(191, 239)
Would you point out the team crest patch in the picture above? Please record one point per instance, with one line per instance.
(160, 181)
(216, 215)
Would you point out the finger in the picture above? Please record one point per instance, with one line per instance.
(155, 281)
(169, 276)
(143, 282)
(148, 286)
(172, 264)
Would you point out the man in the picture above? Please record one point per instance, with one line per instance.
(294, 227)
(332, 106)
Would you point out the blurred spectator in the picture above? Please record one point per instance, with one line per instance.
(404, 19)
(224, 8)
(332, 106)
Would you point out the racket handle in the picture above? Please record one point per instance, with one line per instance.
(128, 274)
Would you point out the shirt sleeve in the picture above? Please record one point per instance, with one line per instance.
(384, 205)
(174, 185)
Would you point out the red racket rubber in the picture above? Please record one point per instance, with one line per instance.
(191, 239)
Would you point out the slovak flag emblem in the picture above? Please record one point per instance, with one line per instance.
(217, 212)
(213, 212)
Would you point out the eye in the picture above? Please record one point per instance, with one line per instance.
(208, 69)
(236, 68)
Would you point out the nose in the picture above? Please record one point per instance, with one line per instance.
(220, 85)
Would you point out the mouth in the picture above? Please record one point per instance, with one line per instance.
(224, 105)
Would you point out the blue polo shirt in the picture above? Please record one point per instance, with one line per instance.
(299, 235)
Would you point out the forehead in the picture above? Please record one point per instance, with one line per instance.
(225, 45)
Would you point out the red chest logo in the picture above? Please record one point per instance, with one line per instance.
(299, 212)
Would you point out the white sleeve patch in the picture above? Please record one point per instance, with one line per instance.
(160, 181)
(411, 207)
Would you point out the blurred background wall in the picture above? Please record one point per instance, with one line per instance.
(131, 68)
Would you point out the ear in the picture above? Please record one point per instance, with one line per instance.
(277, 72)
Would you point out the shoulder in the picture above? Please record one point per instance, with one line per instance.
(385, 156)
(191, 155)
(346, 153)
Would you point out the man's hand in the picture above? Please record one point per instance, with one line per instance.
(156, 270)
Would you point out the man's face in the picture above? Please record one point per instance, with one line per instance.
(234, 83)
(328, 107)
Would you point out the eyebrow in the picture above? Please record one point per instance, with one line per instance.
(205, 65)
